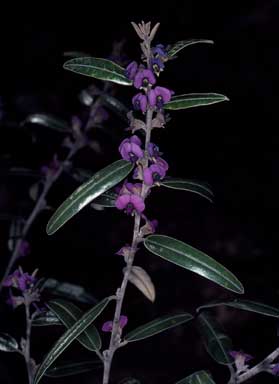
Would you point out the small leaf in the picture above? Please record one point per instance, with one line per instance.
(48, 121)
(157, 326)
(45, 319)
(101, 69)
(8, 343)
(190, 258)
(175, 48)
(101, 182)
(246, 305)
(68, 337)
(73, 368)
(216, 342)
(200, 188)
(191, 100)
(200, 377)
(69, 314)
(140, 278)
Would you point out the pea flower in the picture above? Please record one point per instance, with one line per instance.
(140, 102)
(158, 96)
(130, 149)
(153, 150)
(159, 51)
(157, 65)
(144, 78)
(108, 325)
(240, 360)
(20, 280)
(131, 70)
(130, 202)
(149, 227)
(153, 173)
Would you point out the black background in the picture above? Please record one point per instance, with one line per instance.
(233, 146)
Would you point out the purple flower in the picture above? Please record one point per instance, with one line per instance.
(242, 355)
(275, 370)
(159, 51)
(20, 280)
(131, 70)
(144, 78)
(130, 149)
(162, 163)
(99, 116)
(159, 96)
(149, 227)
(108, 325)
(124, 251)
(153, 173)
(24, 248)
(153, 150)
(157, 65)
(52, 167)
(140, 102)
(130, 202)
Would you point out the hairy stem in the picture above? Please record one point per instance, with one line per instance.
(26, 350)
(264, 365)
(116, 332)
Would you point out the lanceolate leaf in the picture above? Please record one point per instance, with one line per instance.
(73, 368)
(48, 121)
(69, 314)
(116, 106)
(70, 335)
(45, 319)
(188, 185)
(191, 100)
(157, 326)
(216, 342)
(8, 343)
(200, 377)
(246, 305)
(175, 48)
(190, 258)
(87, 192)
(101, 69)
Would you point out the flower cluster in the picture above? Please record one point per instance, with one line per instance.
(24, 285)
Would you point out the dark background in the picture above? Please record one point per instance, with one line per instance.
(232, 146)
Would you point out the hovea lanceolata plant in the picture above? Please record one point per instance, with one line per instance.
(126, 185)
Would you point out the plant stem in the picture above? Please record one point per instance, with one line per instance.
(262, 366)
(36, 210)
(116, 332)
(26, 351)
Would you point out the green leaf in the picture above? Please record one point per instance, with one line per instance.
(157, 326)
(175, 48)
(101, 182)
(8, 343)
(69, 314)
(216, 342)
(189, 185)
(101, 69)
(73, 368)
(246, 305)
(200, 377)
(45, 319)
(191, 100)
(66, 290)
(69, 336)
(190, 258)
(48, 121)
